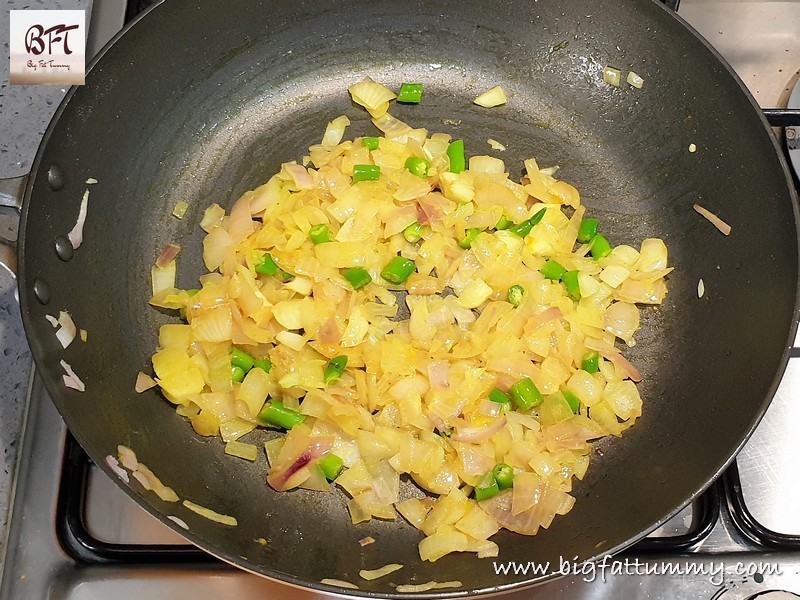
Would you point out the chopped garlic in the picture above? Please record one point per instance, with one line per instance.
(495, 144)
(701, 288)
(692, 148)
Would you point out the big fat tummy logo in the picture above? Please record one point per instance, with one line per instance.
(48, 47)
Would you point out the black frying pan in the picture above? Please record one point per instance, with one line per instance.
(200, 101)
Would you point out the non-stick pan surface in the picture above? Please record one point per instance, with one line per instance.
(200, 101)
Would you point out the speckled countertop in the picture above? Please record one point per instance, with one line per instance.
(25, 112)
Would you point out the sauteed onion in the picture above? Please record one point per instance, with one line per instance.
(435, 322)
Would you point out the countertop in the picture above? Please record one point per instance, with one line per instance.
(759, 38)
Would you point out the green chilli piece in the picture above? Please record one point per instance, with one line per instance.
(275, 413)
(192, 292)
(331, 466)
(499, 396)
(398, 270)
(335, 368)
(371, 143)
(503, 223)
(524, 228)
(573, 401)
(591, 362)
(587, 230)
(503, 476)
(535, 219)
(366, 172)
(552, 270)
(487, 488)
(358, 277)
(516, 295)
(469, 237)
(410, 93)
(241, 359)
(286, 277)
(455, 152)
(237, 374)
(320, 234)
(418, 166)
(267, 266)
(525, 394)
(570, 281)
(413, 233)
(600, 246)
(263, 363)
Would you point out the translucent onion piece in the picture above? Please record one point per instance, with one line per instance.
(113, 464)
(491, 98)
(144, 382)
(713, 219)
(369, 575)
(168, 253)
(71, 380)
(66, 333)
(339, 583)
(210, 514)
(76, 235)
(371, 95)
(425, 587)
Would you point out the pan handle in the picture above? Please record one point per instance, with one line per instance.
(11, 192)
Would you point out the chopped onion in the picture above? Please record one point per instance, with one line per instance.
(71, 380)
(495, 144)
(366, 541)
(144, 382)
(168, 254)
(372, 95)
(163, 278)
(478, 434)
(701, 288)
(127, 457)
(612, 76)
(300, 176)
(210, 514)
(180, 209)
(334, 132)
(113, 464)
(67, 330)
(609, 352)
(714, 219)
(52, 320)
(438, 373)
(76, 235)
(212, 216)
(91, 181)
(634, 80)
(491, 98)
(339, 583)
(241, 450)
(424, 587)
(369, 575)
(179, 522)
(393, 128)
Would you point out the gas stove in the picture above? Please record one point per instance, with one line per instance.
(73, 534)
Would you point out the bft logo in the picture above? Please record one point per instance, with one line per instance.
(48, 47)
(37, 35)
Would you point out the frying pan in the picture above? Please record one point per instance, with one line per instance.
(201, 101)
